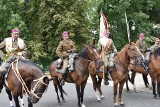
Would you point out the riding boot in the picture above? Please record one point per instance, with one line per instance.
(106, 79)
(146, 66)
(63, 77)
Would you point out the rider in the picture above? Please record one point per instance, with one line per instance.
(108, 52)
(156, 44)
(140, 43)
(13, 46)
(65, 47)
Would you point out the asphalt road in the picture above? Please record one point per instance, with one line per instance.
(142, 99)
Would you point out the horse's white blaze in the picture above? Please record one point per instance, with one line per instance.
(11, 103)
(97, 95)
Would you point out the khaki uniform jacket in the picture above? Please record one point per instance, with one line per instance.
(141, 45)
(155, 46)
(63, 47)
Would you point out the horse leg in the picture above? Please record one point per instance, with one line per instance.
(127, 87)
(154, 88)
(99, 88)
(61, 90)
(30, 103)
(158, 85)
(78, 94)
(145, 79)
(120, 92)
(115, 92)
(82, 92)
(16, 100)
(94, 80)
(21, 99)
(55, 81)
(10, 97)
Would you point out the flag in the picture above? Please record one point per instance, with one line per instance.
(103, 25)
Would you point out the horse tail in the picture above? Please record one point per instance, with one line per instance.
(60, 87)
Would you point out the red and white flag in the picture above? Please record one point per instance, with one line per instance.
(103, 25)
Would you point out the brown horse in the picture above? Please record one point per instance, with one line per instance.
(119, 74)
(26, 77)
(154, 65)
(80, 74)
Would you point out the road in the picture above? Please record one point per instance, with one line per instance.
(142, 99)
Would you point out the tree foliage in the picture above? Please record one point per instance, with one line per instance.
(42, 21)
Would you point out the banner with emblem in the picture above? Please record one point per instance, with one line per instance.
(103, 24)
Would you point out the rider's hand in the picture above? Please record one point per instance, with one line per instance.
(69, 51)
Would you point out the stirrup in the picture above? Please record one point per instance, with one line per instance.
(62, 82)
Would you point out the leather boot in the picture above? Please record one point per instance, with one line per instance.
(106, 79)
(146, 66)
(62, 80)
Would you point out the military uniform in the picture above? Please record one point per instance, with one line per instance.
(155, 46)
(63, 50)
(141, 46)
(16, 47)
(109, 50)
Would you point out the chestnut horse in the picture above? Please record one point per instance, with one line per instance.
(80, 74)
(154, 65)
(119, 74)
(25, 77)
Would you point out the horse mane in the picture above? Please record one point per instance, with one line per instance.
(82, 53)
(156, 52)
(31, 64)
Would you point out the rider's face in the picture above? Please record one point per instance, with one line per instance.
(15, 35)
(65, 37)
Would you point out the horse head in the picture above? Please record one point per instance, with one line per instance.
(38, 87)
(93, 55)
(134, 53)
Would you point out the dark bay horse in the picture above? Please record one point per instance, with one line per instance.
(26, 77)
(80, 74)
(154, 65)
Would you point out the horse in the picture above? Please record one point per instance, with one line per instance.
(119, 74)
(154, 65)
(24, 76)
(80, 74)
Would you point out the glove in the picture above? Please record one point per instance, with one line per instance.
(115, 54)
(69, 51)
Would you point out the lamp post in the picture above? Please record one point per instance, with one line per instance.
(128, 29)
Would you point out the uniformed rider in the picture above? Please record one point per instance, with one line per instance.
(156, 44)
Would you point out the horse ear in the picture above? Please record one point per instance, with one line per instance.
(46, 80)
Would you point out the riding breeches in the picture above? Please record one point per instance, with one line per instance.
(108, 60)
(65, 65)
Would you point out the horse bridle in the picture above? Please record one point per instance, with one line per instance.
(39, 80)
(135, 56)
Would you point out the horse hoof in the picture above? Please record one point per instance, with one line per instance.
(82, 105)
(102, 98)
(137, 91)
(63, 100)
(99, 101)
(123, 105)
(156, 97)
(59, 104)
(116, 105)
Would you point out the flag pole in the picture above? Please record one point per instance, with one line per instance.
(127, 24)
